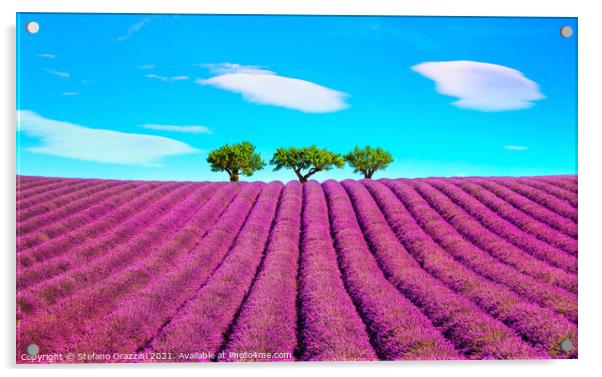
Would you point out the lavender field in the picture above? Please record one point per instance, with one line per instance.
(390, 269)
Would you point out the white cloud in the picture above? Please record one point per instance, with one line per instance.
(69, 140)
(69, 93)
(47, 56)
(264, 87)
(223, 68)
(482, 86)
(515, 147)
(166, 78)
(134, 28)
(88, 81)
(63, 75)
(146, 66)
(182, 129)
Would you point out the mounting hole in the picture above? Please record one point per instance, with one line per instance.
(32, 27)
(32, 349)
(566, 345)
(566, 31)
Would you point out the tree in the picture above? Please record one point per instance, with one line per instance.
(368, 160)
(236, 159)
(311, 159)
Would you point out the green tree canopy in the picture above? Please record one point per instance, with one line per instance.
(236, 159)
(306, 161)
(368, 160)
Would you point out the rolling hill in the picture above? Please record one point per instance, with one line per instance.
(390, 269)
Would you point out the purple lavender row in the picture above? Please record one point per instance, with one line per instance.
(51, 185)
(560, 177)
(505, 251)
(32, 179)
(51, 205)
(553, 190)
(56, 264)
(267, 321)
(451, 241)
(25, 197)
(27, 182)
(90, 271)
(435, 192)
(552, 203)
(473, 332)
(398, 329)
(331, 328)
(79, 313)
(78, 219)
(531, 208)
(129, 213)
(33, 247)
(39, 222)
(566, 184)
(203, 322)
(139, 316)
(541, 326)
(56, 191)
(523, 221)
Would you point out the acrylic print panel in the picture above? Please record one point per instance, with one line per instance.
(209, 188)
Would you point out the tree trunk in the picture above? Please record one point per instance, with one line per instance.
(234, 176)
(300, 176)
(368, 175)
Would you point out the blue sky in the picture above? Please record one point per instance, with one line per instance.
(146, 96)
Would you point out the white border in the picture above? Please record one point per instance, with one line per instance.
(590, 125)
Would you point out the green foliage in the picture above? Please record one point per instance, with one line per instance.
(236, 159)
(311, 159)
(368, 160)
